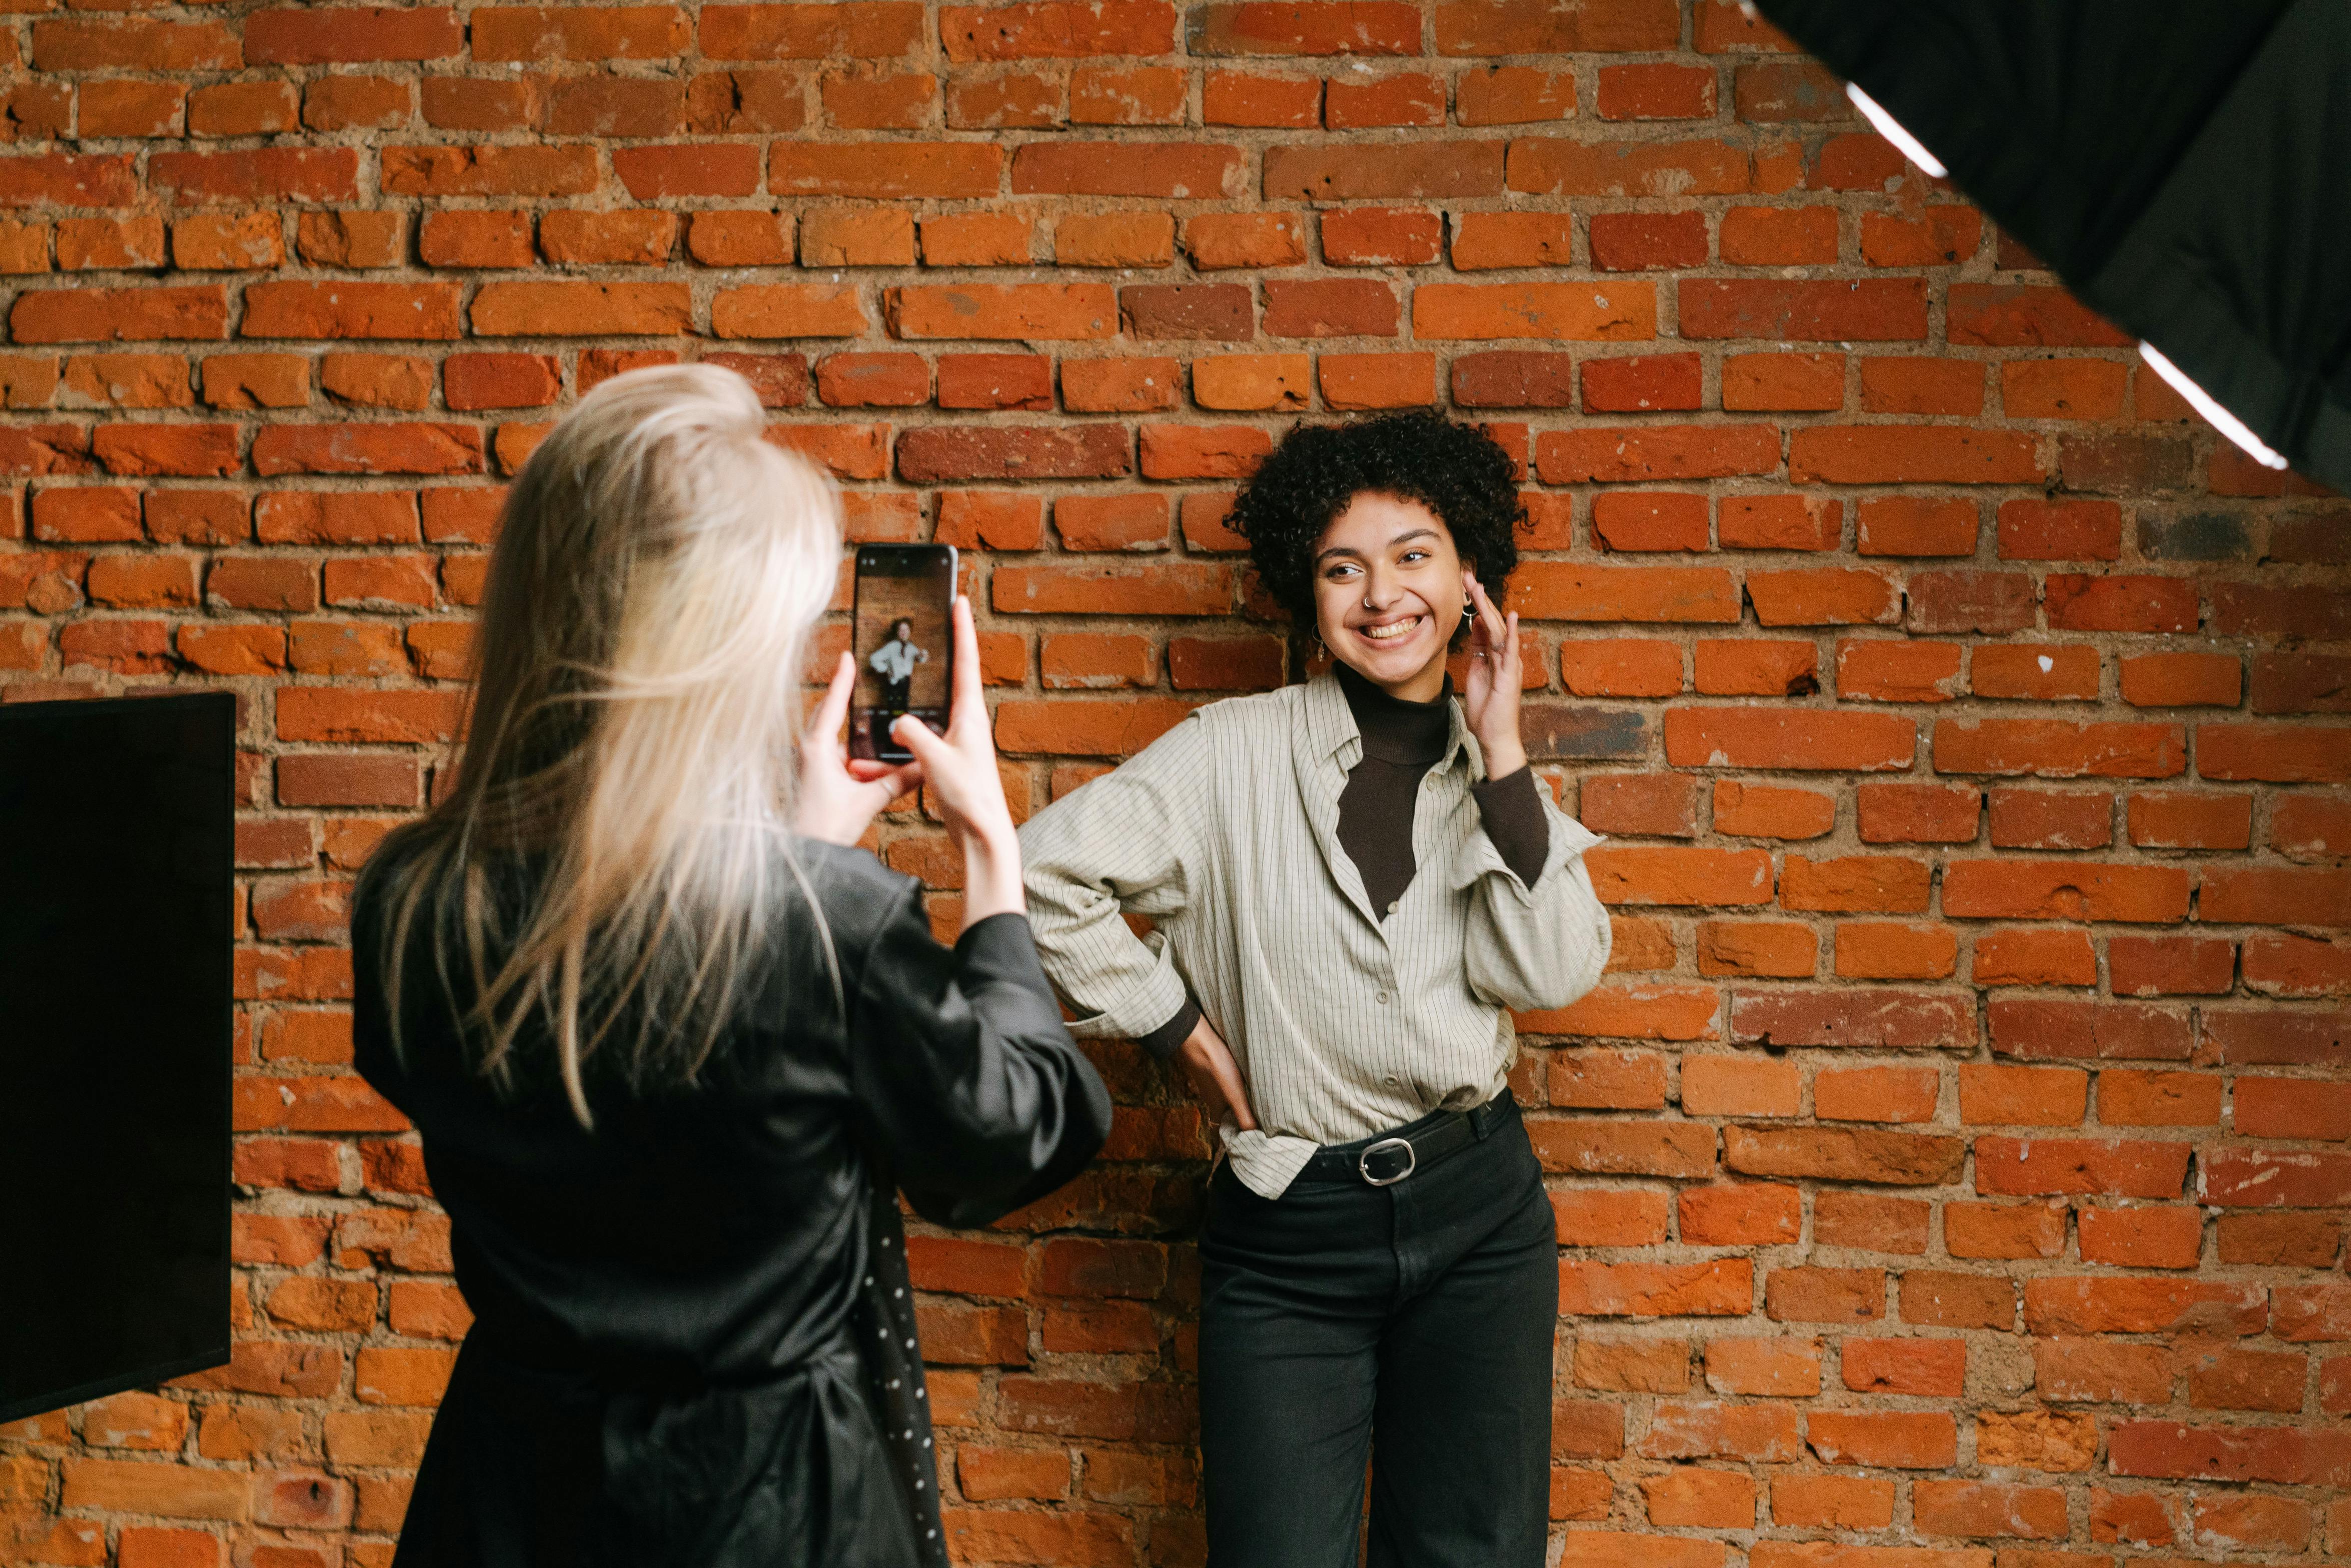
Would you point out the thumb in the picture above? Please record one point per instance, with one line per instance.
(918, 737)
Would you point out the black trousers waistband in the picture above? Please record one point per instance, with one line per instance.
(1387, 1158)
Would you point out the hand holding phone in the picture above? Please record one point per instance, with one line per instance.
(839, 795)
(960, 767)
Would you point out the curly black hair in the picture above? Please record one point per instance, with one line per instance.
(1457, 471)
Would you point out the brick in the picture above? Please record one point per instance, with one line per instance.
(1557, 166)
(1905, 383)
(2022, 315)
(1779, 522)
(1971, 601)
(1759, 811)
(1427, 170)
(1843, 1154)
(1941, 236)
(1905, 455)
(2025, 957)
(1352, 382)
(1335, 307)
(2022, 1027)
(1930, 1367)
(1902, 525)
(1638, 383)
(296, 36)
(310, 175)
(1636, 242)
(1865, 310)
(1776, 382)
(1656, 92)
(1513, 95)
(892, 170)
(1768, 738)
(1652, 453)
(1176, 170)
(1757, 948)
(1876, 1094)
(1617, 313)
(1889, 1439)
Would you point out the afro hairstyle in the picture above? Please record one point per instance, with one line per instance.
(1457, 471)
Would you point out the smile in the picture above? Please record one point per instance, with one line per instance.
(1390, 630)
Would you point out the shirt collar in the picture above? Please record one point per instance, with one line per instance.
(1331, 725)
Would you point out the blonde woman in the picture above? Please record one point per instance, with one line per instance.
(672, 1045)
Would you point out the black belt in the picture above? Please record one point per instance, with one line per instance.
(1388, 1158)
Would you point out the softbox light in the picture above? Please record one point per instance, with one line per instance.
(2184, 166)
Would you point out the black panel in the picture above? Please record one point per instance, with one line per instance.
(116, 838)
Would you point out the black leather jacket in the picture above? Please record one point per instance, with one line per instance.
(694, 1339)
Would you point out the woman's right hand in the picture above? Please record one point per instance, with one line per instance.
(960, 769)
(1216, 1077)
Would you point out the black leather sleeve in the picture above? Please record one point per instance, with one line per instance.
(969, 1083)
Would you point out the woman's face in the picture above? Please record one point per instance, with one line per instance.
(1388, 590)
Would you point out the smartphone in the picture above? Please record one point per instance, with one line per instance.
(903, 635)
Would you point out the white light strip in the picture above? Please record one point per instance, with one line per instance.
(2221, 419)
(1891, 128)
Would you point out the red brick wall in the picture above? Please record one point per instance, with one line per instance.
(1955, 1161)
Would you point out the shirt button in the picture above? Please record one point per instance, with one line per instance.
(1392, 904)
(1391, 1080)
(1383, 998)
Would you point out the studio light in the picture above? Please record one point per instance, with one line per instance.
(2221, 419)
(2184, 168)
(1891, 128)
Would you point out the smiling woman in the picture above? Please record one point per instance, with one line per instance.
(1352, 882)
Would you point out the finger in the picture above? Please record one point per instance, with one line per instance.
(924, 742)
(1511, 654)
(967, 697)
(835, 706)
(897, 778)
(1488, 616)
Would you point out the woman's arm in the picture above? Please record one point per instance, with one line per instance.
(1123, 842)
(1539, 943)
(1536, 940)
(962, 1071)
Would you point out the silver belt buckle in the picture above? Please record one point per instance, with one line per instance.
(1411, 1163)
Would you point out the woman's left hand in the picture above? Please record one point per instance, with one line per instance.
(841, 795)
(1492, 702)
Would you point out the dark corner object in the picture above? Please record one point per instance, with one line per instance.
(2184, 165)
(115, 985)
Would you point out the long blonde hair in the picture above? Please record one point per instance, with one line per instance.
(639, 655)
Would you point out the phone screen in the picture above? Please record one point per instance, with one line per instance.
(902, 638)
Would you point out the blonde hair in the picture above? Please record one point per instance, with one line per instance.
(638, 690)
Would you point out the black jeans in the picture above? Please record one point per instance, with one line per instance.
(1413, 1323)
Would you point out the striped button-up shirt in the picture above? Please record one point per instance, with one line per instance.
(1345, 1020)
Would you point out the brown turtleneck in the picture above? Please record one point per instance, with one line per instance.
(1402, 741)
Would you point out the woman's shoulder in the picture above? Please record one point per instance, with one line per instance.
(855, 892)
(1252, 719)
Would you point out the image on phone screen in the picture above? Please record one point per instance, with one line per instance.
(902, 638)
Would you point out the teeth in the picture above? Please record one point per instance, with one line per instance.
(1394, 629)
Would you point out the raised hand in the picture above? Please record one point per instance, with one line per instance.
(1490, 703)
(841, 795)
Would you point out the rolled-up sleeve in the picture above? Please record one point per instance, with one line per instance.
(1534, 942)
(1125, 842)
